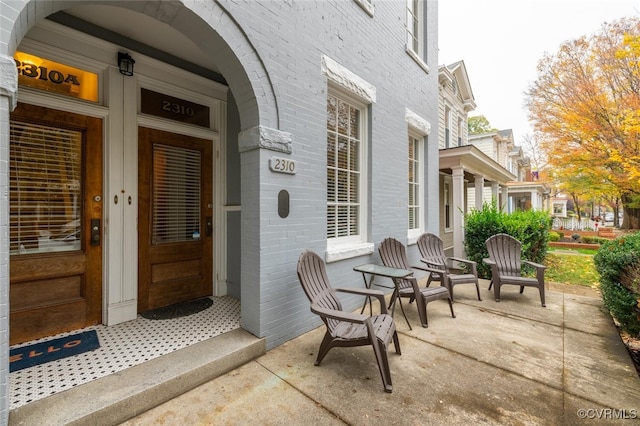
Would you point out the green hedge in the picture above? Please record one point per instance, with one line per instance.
(616, 261)
(530, 227)
(594, 240)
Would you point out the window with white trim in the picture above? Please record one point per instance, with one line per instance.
(448, 201)
(415, 181)
(447, 127)
(346, 215)
(416, 34)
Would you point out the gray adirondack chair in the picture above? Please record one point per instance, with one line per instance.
(432, 252)
(347, 329)
(505, 260)
(393, 254)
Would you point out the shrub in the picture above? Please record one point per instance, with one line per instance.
(618, 263)
(593, 240)
(554, 236)
(530, 227)
(575, 237)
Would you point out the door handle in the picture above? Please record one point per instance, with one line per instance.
(95, 232)
(209, 226)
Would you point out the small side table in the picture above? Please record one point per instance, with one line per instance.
(382, 271)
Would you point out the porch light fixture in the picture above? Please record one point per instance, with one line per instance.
(125, 63)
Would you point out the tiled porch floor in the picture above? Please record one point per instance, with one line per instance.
(122, 346)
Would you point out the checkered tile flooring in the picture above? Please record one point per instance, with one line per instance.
(122, 346)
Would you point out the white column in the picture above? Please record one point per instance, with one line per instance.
(495, 194)
(458, 195)
(479, 181)
(504, 197)
(121, 181)
(8, 102)
(535, 201)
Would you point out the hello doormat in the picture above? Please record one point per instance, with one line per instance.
(51, 350)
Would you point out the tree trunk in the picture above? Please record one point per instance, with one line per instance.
(577, 206)
(631, 214)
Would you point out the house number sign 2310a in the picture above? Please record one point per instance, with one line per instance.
(282, 165)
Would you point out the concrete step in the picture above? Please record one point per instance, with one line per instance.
(118, 397)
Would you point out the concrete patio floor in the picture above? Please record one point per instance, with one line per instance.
(510, 362)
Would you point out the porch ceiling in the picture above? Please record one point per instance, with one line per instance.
(136, 31)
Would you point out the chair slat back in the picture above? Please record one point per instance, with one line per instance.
(506, 251)
(431, 247)
(312, 275)
(393, 254)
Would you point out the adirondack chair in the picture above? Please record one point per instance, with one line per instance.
(346, 329)
(505, 260)
(393, 254)
(433, 255)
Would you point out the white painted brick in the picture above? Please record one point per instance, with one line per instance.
(290, 39)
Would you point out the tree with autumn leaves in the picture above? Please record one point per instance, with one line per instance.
(585, 106)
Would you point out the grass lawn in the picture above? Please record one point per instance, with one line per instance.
(572, 267)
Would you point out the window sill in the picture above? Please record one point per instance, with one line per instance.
(413, 235)
(418, 59)
(346, 251)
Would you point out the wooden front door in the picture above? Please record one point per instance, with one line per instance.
(174, 218)
(55, 245)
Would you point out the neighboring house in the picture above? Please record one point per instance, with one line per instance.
(559, 206)
(525, 191)
(456, 100)
(475, 169)
(196, 148)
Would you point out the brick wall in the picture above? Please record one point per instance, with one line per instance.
(281, 44)
(290, 38)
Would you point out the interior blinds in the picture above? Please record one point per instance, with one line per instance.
(176, 194)
(45, 188)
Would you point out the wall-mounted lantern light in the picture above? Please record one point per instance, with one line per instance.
(125, 63)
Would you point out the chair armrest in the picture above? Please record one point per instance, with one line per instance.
(472, 265)
(535, 265)
(539, 270)
(366, 292)
(361, 291)
(428, 269)
(494, 267)
(467, 261)
(339, 315)
(433, 261)
(441, 272)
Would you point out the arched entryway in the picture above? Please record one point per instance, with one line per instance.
(190, 56)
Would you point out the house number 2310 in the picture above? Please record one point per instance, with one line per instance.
(177, 108)
(282, 165)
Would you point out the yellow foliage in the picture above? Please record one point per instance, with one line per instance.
(586, 104)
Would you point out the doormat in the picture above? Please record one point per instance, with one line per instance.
(51, 350)
(178, 310)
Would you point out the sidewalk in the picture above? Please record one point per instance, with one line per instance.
(512, 362)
